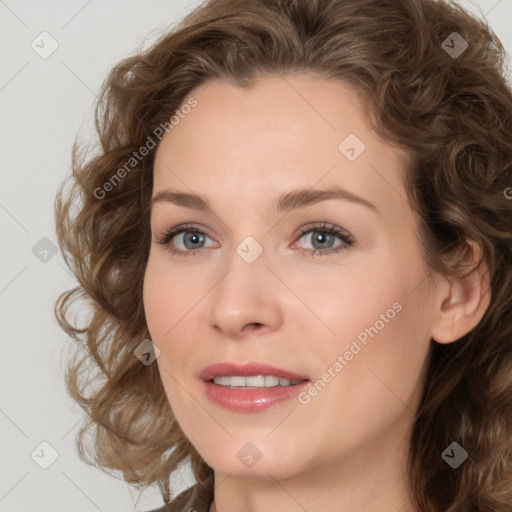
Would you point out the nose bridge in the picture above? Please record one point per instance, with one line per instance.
(246, 294)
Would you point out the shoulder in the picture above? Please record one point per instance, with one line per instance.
(195, 499)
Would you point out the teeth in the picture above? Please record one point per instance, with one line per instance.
(254, 381)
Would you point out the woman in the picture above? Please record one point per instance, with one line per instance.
(297, 244)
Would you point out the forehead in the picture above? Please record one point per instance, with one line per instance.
(280, 133)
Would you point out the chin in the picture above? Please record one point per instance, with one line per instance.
(258, 460)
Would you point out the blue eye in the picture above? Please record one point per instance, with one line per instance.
(193, 236)
(324, 236)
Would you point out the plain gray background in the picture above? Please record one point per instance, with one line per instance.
(44, 102)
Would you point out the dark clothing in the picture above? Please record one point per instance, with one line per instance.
(195, 499)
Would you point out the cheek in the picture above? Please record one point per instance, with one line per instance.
(164, 298)
(154, 306)
(371, 317)
(168, 306)
(387, 345)
(343, 304)
(160, 310)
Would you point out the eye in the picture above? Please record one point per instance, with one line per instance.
(322, 238)
(188, 238)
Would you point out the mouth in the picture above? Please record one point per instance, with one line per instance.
(250, 388)
(254, 381)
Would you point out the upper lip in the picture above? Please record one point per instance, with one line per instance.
(252, 368)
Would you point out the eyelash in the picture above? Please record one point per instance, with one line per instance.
(325, 228)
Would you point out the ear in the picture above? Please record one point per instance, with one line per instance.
(461, 303)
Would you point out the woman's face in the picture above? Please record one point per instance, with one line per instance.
(354, 318)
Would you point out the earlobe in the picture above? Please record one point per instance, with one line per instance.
(462, 308)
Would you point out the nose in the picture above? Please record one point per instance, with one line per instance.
(247, 299)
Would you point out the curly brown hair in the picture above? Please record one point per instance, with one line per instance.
(452, 114)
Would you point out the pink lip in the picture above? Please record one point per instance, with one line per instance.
(249, 400)
(252, 368)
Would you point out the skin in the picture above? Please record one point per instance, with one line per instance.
(240, 149)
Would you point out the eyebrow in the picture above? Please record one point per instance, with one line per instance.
(288, 201)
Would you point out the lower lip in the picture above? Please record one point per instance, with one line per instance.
(251, 400)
